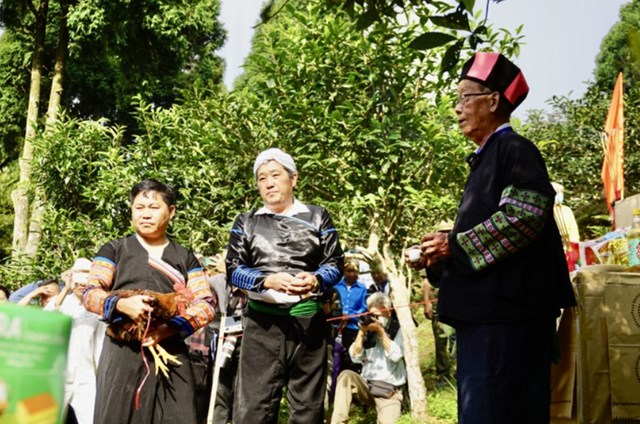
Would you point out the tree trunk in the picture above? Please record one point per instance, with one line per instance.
(20, 195)
(58, 70)
(401, 298)
(35, 225)
(55, 96)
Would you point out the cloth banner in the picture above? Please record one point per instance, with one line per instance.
(612, 165)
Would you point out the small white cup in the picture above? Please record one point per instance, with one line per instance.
(414, 254)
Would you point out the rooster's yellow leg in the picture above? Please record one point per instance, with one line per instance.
(160, 364)
(167, 357)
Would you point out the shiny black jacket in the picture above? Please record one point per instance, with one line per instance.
(266, 243)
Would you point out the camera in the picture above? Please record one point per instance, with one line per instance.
(365, 320)
(370, 336)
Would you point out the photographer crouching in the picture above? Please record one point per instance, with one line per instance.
(378, 347)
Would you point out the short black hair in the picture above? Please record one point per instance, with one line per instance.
(5, 290)
(149, 184)
(46, 282)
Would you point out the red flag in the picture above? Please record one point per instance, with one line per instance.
(612, 169)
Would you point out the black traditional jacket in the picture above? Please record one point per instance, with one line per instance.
(263, 243)
(507, 263)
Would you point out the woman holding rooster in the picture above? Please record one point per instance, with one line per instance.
(153, 294)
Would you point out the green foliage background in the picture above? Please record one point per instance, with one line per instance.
(117, 50)
(368, 119)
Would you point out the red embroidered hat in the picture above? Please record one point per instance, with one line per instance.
(497, 73)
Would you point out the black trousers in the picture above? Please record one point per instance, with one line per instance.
(279, 352)
(162, 400)
(504, 373)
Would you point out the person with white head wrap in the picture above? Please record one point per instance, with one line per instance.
(285, 254)
(277, 155)
(85, 343)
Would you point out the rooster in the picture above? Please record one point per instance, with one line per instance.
(165, 306)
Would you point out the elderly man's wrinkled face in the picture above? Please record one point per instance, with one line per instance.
(475, 105)
(276, 186)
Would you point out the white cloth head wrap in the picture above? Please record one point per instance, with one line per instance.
(277, 155)
(80, 271)
(82, 264)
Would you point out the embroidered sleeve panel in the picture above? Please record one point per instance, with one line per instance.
(96, 298)
(202, 308)
(520, 220)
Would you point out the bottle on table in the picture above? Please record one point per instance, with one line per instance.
(633, 242)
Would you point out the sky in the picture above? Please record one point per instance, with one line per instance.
(561, 41)
(238, 17)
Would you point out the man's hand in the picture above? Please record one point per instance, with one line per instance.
(135, 307)
(46, 290)
(279, 281)
(301, 284)
(428, 310)
(417, 265)
(304, 283)
(435, 247)
(375, 327)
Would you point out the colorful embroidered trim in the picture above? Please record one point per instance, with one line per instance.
(522, 218)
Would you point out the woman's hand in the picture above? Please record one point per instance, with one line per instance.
(135, 307)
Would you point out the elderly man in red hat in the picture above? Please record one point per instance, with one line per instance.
(501, 270)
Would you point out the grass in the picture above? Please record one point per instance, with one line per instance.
(441, 398)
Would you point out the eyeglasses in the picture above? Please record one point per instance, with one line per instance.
(464, 98)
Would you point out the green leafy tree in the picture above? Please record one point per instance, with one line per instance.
(438, 17)
(115, 51)
(155, 49)
(14, 95)
(620, 50)
(570, 140)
